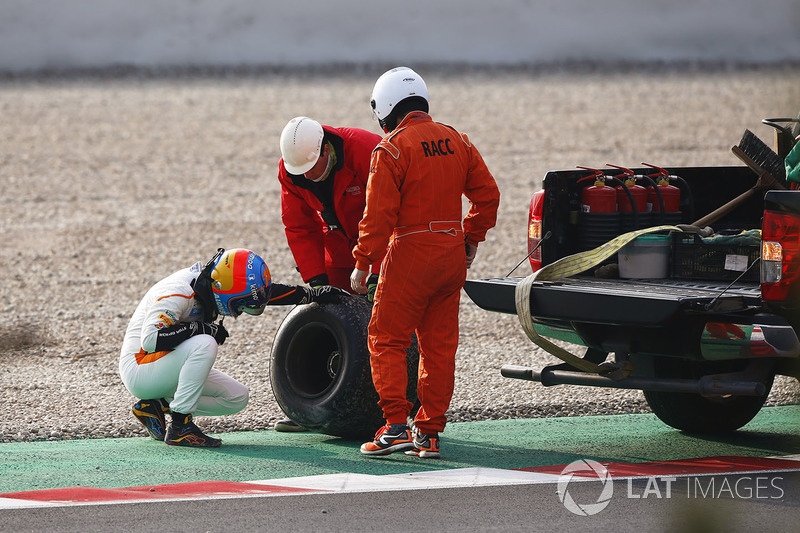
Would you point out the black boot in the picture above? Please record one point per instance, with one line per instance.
(151, 414)
(182, 431)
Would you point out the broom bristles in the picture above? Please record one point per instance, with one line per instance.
(763, 155)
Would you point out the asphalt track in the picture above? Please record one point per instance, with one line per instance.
(496, 465)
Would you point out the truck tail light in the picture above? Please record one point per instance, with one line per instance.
(535, 229)
(780, 256)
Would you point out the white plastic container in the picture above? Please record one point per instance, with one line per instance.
(646, 257)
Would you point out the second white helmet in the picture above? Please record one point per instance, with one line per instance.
(301, 141)
(393, 87)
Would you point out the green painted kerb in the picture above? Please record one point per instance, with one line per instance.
(249, 456)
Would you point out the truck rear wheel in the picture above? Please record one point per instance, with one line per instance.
(320, 372)
(694, 413)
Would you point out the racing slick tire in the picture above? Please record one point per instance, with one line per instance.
(320, 371)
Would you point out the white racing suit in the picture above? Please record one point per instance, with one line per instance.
(184, 375)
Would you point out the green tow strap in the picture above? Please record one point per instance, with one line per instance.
(563, 268)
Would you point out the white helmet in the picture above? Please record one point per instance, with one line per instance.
(301, 141)
(393, 87)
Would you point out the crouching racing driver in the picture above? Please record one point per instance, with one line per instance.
(172, 339)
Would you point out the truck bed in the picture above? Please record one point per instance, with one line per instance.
(681, 316)
(615, 301)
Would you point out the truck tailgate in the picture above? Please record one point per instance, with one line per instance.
(613, 301)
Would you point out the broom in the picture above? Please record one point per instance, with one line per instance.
(762, 157)
(762, 160)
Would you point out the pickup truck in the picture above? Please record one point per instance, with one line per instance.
(703, 342)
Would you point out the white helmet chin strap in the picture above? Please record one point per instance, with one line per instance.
(327, 170)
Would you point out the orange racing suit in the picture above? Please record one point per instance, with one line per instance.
(418, 174)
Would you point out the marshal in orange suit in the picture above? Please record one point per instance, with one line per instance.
(418, 174)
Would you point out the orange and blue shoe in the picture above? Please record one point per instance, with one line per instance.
(151, 414)
(426, 445)
(389, 439)
(182, 431)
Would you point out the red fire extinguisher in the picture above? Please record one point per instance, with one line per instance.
(599, 221)
(638, 192)
(670, 195)
(598, 198)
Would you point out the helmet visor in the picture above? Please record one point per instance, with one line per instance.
(253, 303)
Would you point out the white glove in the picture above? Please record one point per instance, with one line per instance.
(358, 281)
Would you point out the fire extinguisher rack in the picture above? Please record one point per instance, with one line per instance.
(612, 204)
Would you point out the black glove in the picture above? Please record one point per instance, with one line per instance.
(471, 250)
(217, 331)
(372, 286)
(319, 281)
(170, 337)
(326, 294)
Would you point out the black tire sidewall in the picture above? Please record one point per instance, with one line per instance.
(346, 405)
(694, 413)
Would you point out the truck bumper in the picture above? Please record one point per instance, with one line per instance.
(721, 341)
(681, 319)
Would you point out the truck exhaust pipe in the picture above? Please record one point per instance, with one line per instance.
(703, 387)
